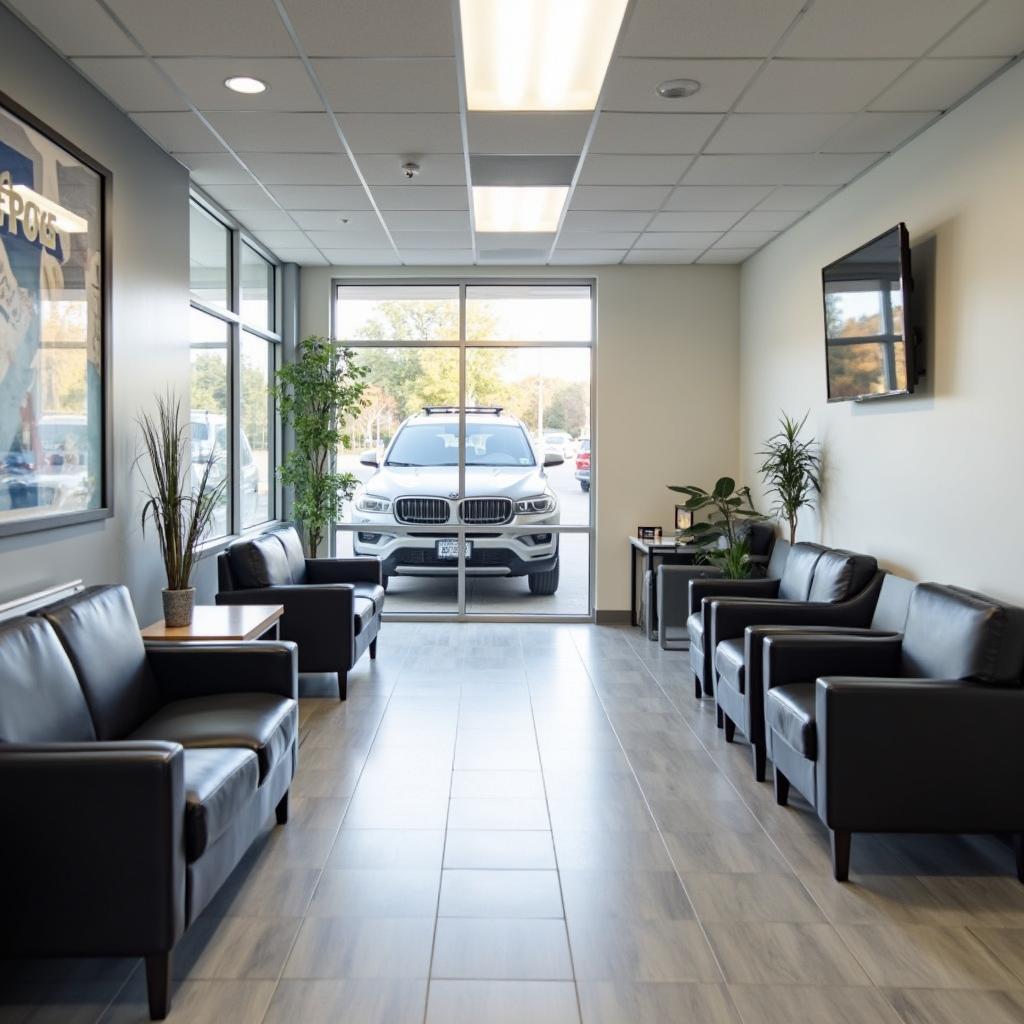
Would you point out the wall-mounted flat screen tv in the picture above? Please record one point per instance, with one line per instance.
(869, 346)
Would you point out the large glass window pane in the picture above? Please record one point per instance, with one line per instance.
(257, 280)
(528, 312)
(397, 313)
(209, 257)
(256, 448)
(209, 340)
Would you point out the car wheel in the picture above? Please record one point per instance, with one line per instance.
(585, 486)
(544, 584)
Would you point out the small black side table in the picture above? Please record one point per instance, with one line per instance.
(654, 552)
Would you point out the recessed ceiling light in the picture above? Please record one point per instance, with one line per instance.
(508, 208)
(242, 83)
(678, 88)
(535, 54)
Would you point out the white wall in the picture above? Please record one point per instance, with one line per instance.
(666, 387)
(932, 484)
(150, 309)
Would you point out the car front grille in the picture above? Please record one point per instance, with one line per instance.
(485, 511)
(422, 511)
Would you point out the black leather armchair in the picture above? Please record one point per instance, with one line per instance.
(132, 781)
(918, 733)
(332, 606)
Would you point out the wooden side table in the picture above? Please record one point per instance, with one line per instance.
(234, 622)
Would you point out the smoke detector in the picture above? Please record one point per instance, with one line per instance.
(410, 169)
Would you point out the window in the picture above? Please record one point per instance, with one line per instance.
(234, 352)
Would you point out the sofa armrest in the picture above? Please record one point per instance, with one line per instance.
(919, 755)
(731, 616)
(803, 658)
(96, 848)
(202, 669)
(344, 570)
(712, 588)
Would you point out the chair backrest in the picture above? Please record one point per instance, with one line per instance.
(798, 575)
(840, 575)
(778, 559)
(259, 562)
(759, 538)
(289, 539)
(40, 698)
(893, 603)
(953, 633)
(98, 629)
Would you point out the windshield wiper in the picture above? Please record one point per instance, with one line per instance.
(405, 465)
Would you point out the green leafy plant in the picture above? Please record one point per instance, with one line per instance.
(791, 471)
(721, 536)
(178, 505)
(317, 394)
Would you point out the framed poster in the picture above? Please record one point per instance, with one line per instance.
(54, 329)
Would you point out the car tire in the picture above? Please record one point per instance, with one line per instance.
(585, 486)
(544, 584)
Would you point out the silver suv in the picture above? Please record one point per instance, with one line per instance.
(417, 484)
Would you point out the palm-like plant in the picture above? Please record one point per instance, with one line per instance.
(791, 471)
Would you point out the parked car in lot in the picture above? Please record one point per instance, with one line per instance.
(209, 434)
(583, 464)
(558, 442)
(416, 483)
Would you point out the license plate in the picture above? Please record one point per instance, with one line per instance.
(449, 548)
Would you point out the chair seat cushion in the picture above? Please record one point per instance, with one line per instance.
(372, 592)
(789, 710)
(730, 659)
(219, 782)
(261, 722)
(363, 611)
(695, 627)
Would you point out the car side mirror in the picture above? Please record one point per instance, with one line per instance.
(369, 459)
(552, 459)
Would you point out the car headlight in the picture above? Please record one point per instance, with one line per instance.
(371, 503)
(534, 506)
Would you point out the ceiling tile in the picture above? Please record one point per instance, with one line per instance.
(652, 133)
(437, 257)
(307, 257)
(202, 80)
(775, 133)
(819, 86)
(214, 168)
(677, 239)
(362, 257)
(996, 29)
(427, 220)
(717, 197)
(607, 169)
(242, 28)
(359, 239)
(726, 255)
(241, 197)
(132, 83)
(435, 168)
(286, 239)
(276, 132)
(586, 257)
(432, 239)
(363, 28)
(745, 239)
(768, 220)
(513, 257)
(491, 240)
(421, 197)
(695, 220)
(873, 28)
(527, 132)
(877, 133)
(336, 220)
(321, 197)
(184, 133)
(301, 168)
(92, 31)
(827, 169)
(390, 86)
(707, 28)
(402, 133)
(596, 239)
(671, 256)
(937, 84)
(632, 84)
(593, 220)
(796, 197)
(618, 197)
(266, 220)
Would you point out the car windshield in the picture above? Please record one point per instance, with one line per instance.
(437, 444)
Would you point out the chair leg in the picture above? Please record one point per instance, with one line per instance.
(281, 810)
(158, 984)
(730, 728)
(698, 690)
(840, 839)
(373, 649)
(342, 685)
(781, 788)
(1018, 853)
(760, 760)
(718, 716)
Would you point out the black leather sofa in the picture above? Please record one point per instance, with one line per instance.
(332, 606)
(912, 733)
(132, 779)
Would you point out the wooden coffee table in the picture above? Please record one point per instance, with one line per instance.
(229, 622)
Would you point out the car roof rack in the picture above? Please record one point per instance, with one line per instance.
(433, 410)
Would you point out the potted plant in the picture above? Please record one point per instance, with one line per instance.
(316, 394)
(791, 471)
(720, 536)
(178, 505)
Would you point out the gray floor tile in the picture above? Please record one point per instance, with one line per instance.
(387, 848)
(502, 1002)
(365, 892)
(501, 949)
(524, 849)
(620, 1002)
(506, 813)
(505, 893)
(784, 1004)
(374, 1001)
(361, 948)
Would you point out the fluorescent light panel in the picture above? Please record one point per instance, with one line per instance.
(517, 209)
(537, 54)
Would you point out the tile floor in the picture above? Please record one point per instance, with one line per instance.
(531, 823)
